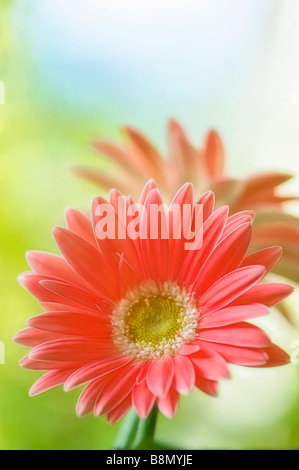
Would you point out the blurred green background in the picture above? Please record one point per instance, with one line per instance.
(75, 70)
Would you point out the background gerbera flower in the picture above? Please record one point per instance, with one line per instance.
(204, 166)
(140, 322)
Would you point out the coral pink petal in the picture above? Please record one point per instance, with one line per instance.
(241, 356)
(51, 265)
(87, 262)
(210, 387)
(66, 292)
(276, 356)
(175, 219)
(268, 294)
(50, 380)
(119, 411)
(187, 349)
(208, 202)
(116, 389)
(80, 224)
(72, 323)
(30, 364)
(230, 287)
(151, 184)
(63, 307)
(32, 283)
(234, 314)
(236, 220)
(214, 154)
(184, 374)
(87, 399)
(144, 151)
(95, 370)
(31, 337)
(143, 399)
(208, 364)
(155, 248)
(212, 230)
(119, 245)
(226, 257)
(169, 404)
(160, 375)
(267, 257)
(116, 153)
(71, 350)
(238, 334)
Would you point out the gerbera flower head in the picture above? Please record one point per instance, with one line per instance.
(204, 166)
(140, 320)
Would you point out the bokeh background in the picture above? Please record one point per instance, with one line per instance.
(75, 69)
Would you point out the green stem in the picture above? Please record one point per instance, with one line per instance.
(127, 431)
(136, 433)
(144, 438)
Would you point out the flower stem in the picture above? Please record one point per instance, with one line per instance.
(127, 431)
(136, 433)
(144, 438)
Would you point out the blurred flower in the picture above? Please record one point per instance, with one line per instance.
(205, 168)
(143, 320)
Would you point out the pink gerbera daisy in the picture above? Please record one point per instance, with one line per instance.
(141, 321)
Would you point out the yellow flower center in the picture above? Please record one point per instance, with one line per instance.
(154, 320)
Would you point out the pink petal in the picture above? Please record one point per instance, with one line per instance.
(276, 356)
(210, 387)
(235, 314)
(226, 257)
(31, 282)
(50, 380)
(71, 350)
(208, 203)
(238, 334)
(87, 399)
(160, 375)
(177, 250)
(236, 220)
(155, 250)
(229, 287)
(267, 257)
(143, 400)
(241, 356)
(95, 370)
(212, 230)
(169, 404)
(31, 337)
(30, 364)
(184, 374)
(268, 294)
(87, 262)
(119, 411)
(187, 349)
(116, 389)
(151, 184)
(208, 364)
(72, 323)
(80, 224)
(214, 154)
(51, 265)
(71, 294)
